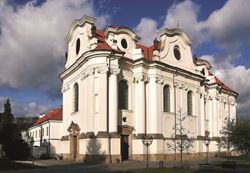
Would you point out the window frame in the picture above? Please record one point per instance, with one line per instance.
(190, 103)
(123, 95)
(76, 97)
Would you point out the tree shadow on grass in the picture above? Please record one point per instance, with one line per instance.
(94, 153)
(6, 164)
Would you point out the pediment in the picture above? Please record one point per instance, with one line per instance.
(76, 23)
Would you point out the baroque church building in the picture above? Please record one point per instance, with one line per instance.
(116, 91)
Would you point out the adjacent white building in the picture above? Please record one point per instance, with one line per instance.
(116, 90)
(45, 133)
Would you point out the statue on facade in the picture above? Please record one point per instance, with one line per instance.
(156, 44)
(73, 128)
(93, 31)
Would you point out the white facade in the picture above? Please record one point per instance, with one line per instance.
(46, 132)
(96, 64)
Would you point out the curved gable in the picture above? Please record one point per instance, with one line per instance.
(176, 49)
(76, 23)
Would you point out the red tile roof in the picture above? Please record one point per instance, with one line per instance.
(147, 51)
(102, 44)
(220, 83)
(56, 114)
(100, 35)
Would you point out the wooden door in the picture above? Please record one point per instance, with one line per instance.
(124, 147)
(74, 147)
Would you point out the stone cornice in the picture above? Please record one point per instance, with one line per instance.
(121, 30)
(140, 77)
(85, 57)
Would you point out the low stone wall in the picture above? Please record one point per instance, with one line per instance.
(94, 158)
(38, 151)
(186, 156)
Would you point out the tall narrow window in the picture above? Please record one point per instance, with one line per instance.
(123, 94)
(166, 99)
(76, 97)
(189, 103)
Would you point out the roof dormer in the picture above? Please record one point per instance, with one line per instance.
(121, 38)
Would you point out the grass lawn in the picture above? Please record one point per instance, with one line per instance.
(157, 170)
(243, 163)
(6, 164)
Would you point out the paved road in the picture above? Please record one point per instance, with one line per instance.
(64, 166)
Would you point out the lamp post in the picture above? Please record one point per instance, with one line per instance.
(146, 140)
(207, 142)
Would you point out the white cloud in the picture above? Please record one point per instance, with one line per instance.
(230, 25)
(147, 30)
(32, 42)
(186, 14)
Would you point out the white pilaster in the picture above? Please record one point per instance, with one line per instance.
(210, 111)
(215, 116)
(140, 107)
(154, 103)
(85, 104)
(103, 101)
(201, 117)
(90, 109)
(113, 102)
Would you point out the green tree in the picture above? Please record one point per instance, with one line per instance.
(10, 136)
(6, 125)
(241, 136)
(225, 141)
(236, 135)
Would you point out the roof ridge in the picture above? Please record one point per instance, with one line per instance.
(55, 114)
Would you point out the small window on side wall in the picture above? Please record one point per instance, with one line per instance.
(76, 97)
(166, 99)
(190, 103)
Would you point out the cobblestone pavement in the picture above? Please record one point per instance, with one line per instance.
(65, 166)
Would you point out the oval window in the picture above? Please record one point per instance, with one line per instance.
(77, 46)
(124, 43)
(177, 52)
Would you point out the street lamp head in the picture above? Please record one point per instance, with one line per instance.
(147, 140)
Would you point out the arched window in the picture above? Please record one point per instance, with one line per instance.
(189, 103)
(123, 94)
(166, 99)
(76, 97)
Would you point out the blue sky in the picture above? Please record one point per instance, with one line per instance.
(32, 42)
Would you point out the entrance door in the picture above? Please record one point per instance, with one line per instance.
(124, 147)
(74, 147)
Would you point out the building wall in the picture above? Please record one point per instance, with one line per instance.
(47, 134)
(95, 71)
